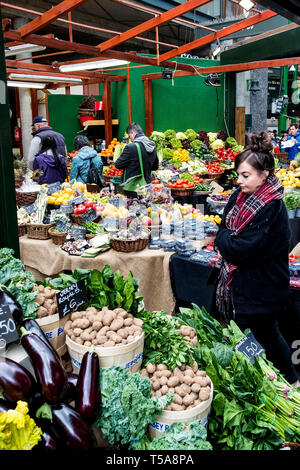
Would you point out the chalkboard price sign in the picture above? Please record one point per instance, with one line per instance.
(8, 329)
(66, 208)
(77, 200)
(250, 347)
(71, 298)
(54, 187)
(175, 177)
(62, 226)
(89, 216)
(30, 209)
(77, 231)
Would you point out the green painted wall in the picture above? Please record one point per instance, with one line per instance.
(188, 104)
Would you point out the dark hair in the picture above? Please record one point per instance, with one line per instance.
(134, 127)
(295, 126)
(258, 153)
(81, 141)
(49, 143)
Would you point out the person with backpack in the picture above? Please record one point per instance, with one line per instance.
(87, 165)
(52, 164)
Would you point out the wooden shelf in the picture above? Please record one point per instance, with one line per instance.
(100, 122)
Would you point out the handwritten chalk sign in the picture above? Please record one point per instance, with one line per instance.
(77, 200)
(30, 209)
(78, 231)
(8, 330)
(54, 187)
(70, 299)
(250, 347)
(66, 208)
(89, 216)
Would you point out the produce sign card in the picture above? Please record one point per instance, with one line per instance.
(63, 226)
(89, 216)
(250, 347)
(8, 329)
(54, 187)
(77, 231)
(66, 208)
(30, 209)
(77, 200)
(71, 298)
(175, 178)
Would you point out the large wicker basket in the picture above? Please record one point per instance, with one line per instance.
(25, 199)
(108, 179)
(128, 246)
(38, 231)
(182, 191)
(22, 229)
(77, 219)
(19, 181)
(58, 238)
(214, 176)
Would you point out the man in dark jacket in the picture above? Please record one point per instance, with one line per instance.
(129, 159)
(41, 129)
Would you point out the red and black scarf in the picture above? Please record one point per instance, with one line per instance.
(240, 215)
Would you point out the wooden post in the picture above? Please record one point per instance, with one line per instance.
(34, 102)
(18, 114)
(148, 107)
(107, 112)
(68, 90)
(129, 94)
(240, 125)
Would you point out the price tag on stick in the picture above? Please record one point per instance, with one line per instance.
(70, 299)
(250, 347)
(8, 330)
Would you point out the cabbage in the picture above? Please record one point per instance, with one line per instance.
(181, 136)
(216, 144)
(191, 134)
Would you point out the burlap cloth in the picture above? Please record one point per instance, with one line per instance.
(44, 258)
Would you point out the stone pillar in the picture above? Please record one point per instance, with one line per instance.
(259, 100)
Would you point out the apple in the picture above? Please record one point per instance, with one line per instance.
(146, 220)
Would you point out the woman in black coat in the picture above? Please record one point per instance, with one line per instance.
(253, 240)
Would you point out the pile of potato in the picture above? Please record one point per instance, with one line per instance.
(105, 328)
(189, 333)
(47, 300)
(190, 385)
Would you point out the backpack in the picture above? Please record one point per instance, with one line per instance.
(93, 176)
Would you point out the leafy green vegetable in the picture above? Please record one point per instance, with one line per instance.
(127, 407)
(170, 134)
(187, 176)
(93, 227)
(163, 344)
(159, 139)
(167, 154)
(191, 134)
(176, 143)
(196, 144)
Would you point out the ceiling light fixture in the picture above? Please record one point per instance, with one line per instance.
(23, 48)
(12, 83)
(246, 4)
(44, 77)
(97, 64)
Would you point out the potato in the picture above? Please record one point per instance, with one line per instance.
(195, 367)
(201, 373)
(177, 399)
(163, 380)
(95, 342)
(200, 380)
(186, 388)
(101, 339)
(103, 330)
(192, 333)
(169, 408)
(77, 331)
(189, 372)
(194, 395)
(196, 387)
(87, 343)
(40, 288)
(156, 385)
(116, 324)
(109, 344)
(204, 395)
(53, 310)
(121, 312)
(164, 389)
(40, 299)
(93, 334)
(68, 325)
(150, 368)
(76, 315)
(92, 310)
(158, 393)
(137, 332)
(144, 373)
(188, 400)
(116, 338)
(179, 391)
(178, 373)
(138, 322)
(42, 312)
(79, 340)
(97, 325)
(195, 341)
(161, 367)
(122, 332)
(172, 389)
(124, 341)
(130, 338)
(130, 330)
(73, 337)
(176, 407)
(48, 304)
(107, 318)
(128, 321)
(76, 323)
(173, 381)
(187, 379)
(49, 293)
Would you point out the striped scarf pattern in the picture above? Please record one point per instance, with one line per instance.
(239, 216)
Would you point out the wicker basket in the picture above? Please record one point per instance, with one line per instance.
(77, 219)
(22, 230)
(19, 181)
(214, 176)
(38, 231)
(182, 191)
(129, 246)
(108, 179)
(58, 238)
(25, 199)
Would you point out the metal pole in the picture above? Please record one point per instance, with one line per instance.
(8, 215)
(282, 121)
(295, 78)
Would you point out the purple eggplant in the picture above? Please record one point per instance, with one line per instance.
(71, 391)
(4, 405)
(47, 442)
(49, 372)
(16, 382)
(34, 327)
(73, 431)
(88, 397)
(15, 308)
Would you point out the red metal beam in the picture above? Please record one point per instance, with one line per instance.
(178, 73)
(49, 16)
(107, 112)
(219, 34)
(152, 23)
(148, 107)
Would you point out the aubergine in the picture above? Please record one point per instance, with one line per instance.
(88, 396)
(71, 390)
(4, 405)
(16, 382)
(15, 308)
(32, 326)
(49, 372)
(73, 431)
(47, 443)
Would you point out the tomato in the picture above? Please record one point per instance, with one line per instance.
(88, 204)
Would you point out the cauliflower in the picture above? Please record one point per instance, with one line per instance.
(212, 136)
(216, 144)
(181, 136)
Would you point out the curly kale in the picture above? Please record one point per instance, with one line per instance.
(127, 407)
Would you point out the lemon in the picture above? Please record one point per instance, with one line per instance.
(51, 200)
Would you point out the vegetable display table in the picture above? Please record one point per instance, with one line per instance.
(44, 258)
